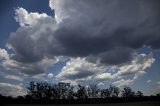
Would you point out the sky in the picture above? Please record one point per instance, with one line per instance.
(107, 42)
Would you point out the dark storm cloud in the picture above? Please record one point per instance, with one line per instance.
(109, 30)
(106, 30)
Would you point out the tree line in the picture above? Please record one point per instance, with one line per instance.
(63, 90)
(44, 92)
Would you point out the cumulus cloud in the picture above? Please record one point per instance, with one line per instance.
(3, 54)
(79, 68)
(138, 74)
(29, 44)
(103, 76)
(148, 81)
(24, 18)
(50, 75)
(83, 28)
(28, 57)
(100, 84)
(32, 40)
(136, 69)
(8, 89)
(80, 30)
(137, 65)
(122, 82)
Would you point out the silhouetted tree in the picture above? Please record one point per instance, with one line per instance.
(105, 93)
(94, 91)
(54, 91)
(158, 94)
(47, 91)
(128, 92)
(71, 92)
(31, 90)
(81, 92)
(89, 92)
(20, 97)
(114, 91)
(39, 91)
(65, 90)
(139, 94)
(44, 92)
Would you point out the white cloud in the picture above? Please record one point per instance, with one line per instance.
(101, 83)
(136, 68)
(8, 89)
(148, 81)
(104, 76)
(55, 5)
(122, 82)
(50, 75)
(158, 82)
(13, 77)
(24, 18)
(39, 76)
(139, 64)
(79, 68)
(3, 54)
(72, 82)
(138, 74)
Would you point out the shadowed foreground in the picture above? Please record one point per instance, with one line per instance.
(64, 93)
(107, 104)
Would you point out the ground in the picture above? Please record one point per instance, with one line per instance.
(108, 104)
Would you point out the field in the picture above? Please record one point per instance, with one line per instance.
(108, 104)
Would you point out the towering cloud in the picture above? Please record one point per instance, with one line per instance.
(109, 30)
(106, 31)
(101, 32)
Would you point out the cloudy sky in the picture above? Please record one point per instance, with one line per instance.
(81, 42)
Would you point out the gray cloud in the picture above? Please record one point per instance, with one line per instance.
(13, 77)
(79, 75)
(8, 89)
(106, 31)
(28, 68)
